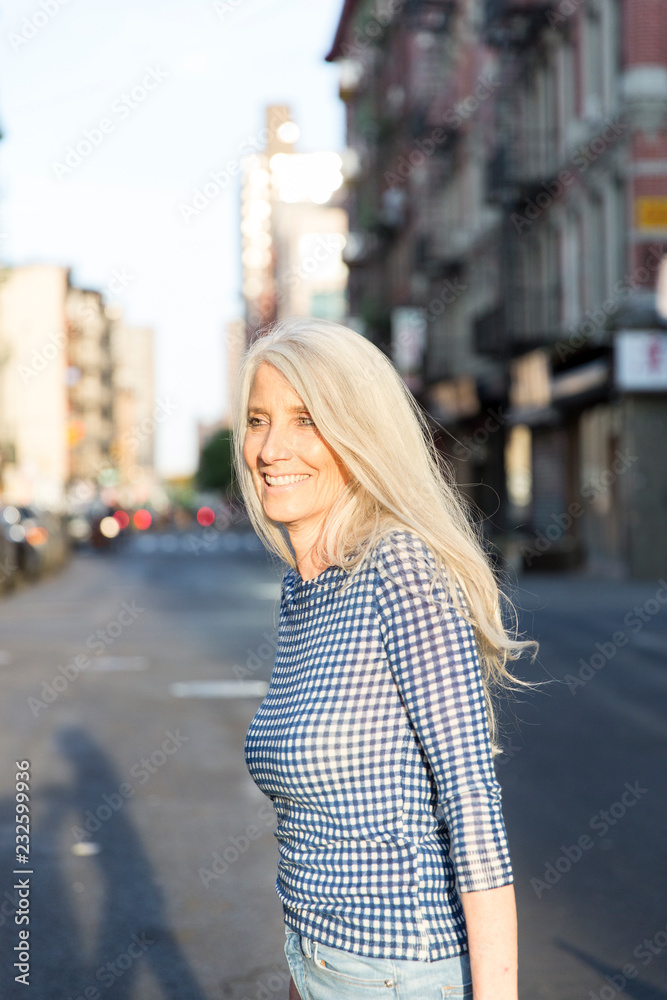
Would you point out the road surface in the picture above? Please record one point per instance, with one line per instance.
(152, 858)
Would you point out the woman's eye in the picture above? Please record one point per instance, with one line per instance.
(306, 421)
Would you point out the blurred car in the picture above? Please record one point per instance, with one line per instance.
(9, 553)
(99, 526)
(40, 539)
(78, 529)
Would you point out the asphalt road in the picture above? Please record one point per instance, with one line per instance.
(152, 858)
(584, 783)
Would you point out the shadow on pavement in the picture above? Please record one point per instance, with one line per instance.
(69, 958)
(616, 983)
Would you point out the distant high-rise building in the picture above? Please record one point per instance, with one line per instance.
(292, 233)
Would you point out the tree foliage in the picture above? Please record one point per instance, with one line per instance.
(215, 470)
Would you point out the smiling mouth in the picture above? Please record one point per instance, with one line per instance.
(283, 480)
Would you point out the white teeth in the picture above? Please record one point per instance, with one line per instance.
(283, 480)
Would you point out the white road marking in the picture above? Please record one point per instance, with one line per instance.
(102, 664)
(219, 689)
(85, 849)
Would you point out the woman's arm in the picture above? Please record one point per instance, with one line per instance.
(492, 940)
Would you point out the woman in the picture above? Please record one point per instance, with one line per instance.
(374, 741)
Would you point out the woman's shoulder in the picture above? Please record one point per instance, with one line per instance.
(403, 555)
(408, 567)
(404, 542)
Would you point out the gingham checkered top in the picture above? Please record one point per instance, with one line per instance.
(373, 744)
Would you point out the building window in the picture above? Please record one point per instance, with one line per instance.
(518, 467)
(594, 96)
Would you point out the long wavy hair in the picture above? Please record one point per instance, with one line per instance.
(399, 480)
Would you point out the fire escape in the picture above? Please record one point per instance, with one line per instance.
(525, 160)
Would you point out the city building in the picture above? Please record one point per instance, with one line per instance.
(77, 408)
(34, 418)
(90, 385)
(292, 232)
(578, 171)
(419, 84)
(136, 416)
(235, 344)
(508, 220)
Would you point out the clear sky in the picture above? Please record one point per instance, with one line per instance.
(205, 72)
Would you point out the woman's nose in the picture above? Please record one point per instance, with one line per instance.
(275, 446)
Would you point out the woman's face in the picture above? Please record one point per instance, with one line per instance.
(296, 474)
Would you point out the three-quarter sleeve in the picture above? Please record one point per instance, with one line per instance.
(434, 660)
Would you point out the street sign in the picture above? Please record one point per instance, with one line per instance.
(408, 343)
(651, 213)
(640, 361)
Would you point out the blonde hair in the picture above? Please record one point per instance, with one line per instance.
(399, 480)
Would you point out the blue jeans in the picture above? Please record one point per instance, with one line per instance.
(323, 973)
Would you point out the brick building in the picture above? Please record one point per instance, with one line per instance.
(508, 222)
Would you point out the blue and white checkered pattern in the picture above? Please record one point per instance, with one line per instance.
(373, 744)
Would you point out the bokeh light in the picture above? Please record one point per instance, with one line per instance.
(289, 132)
(10, 515)
(122, 517)
(109, 527)
(205, 516)
(142, 519)
(37, 536)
